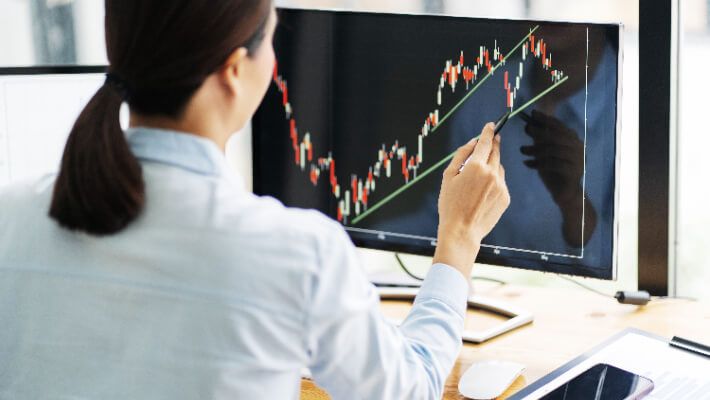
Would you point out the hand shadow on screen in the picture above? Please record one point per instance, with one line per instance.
(557, 154)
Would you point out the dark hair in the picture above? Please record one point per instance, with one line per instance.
(160, 53)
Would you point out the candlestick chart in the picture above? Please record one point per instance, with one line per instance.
(406, 159)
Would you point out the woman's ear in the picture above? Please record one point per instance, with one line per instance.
(232, 73)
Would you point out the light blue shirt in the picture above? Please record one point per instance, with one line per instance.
(212, 293)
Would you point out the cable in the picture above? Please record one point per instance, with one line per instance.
(638, 298)
(419, 278)
(582, 285)
(406, 270)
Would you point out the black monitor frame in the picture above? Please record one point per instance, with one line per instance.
(523, 263)
(53, 70)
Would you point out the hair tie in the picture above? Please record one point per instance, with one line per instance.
(119, 85)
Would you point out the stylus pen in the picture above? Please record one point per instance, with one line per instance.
(499, 125)
(501, 122)
(691, 346)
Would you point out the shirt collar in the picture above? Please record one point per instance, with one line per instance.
(183, 150)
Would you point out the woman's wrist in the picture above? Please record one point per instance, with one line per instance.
(459, 255)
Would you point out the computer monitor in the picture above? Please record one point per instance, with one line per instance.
(365, 110)
(38, 107)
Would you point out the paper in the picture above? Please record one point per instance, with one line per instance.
(676, 374)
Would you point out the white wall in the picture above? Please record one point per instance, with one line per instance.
(16, 46)
(89, 30)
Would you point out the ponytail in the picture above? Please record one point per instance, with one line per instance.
(100, 188)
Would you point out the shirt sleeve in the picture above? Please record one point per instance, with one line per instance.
(356, 353)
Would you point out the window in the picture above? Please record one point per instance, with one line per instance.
(51, 32)
(693, 213)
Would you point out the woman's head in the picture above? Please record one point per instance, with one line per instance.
(165, 50)
(163, 56)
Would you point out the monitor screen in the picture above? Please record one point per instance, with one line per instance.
(366, 109)
(38, 107)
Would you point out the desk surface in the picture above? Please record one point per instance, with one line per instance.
(567, 323)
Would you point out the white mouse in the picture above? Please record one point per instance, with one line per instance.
(489, 379)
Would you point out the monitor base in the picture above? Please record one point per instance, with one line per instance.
(518, 316)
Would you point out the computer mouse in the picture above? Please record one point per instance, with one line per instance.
(489, 379)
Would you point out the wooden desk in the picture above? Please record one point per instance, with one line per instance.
(567, 323)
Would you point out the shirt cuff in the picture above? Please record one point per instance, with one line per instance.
(447, 285)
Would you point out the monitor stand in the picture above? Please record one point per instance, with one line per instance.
(518, 317)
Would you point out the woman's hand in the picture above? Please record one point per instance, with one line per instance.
(471, 201)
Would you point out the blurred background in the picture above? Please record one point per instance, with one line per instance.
(69, 32)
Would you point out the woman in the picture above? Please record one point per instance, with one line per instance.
(156, 276)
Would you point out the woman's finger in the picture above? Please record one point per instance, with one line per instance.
(483, 149)
(462, 154)
(494, 158)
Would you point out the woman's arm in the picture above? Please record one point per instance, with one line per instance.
(355, 353)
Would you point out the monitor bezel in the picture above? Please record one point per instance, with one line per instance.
(52, 70)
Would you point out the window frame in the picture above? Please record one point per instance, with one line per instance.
(658, 132)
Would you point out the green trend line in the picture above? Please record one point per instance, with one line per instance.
(538, 97)
(488, 75)
(447, 158)
(402, 189)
